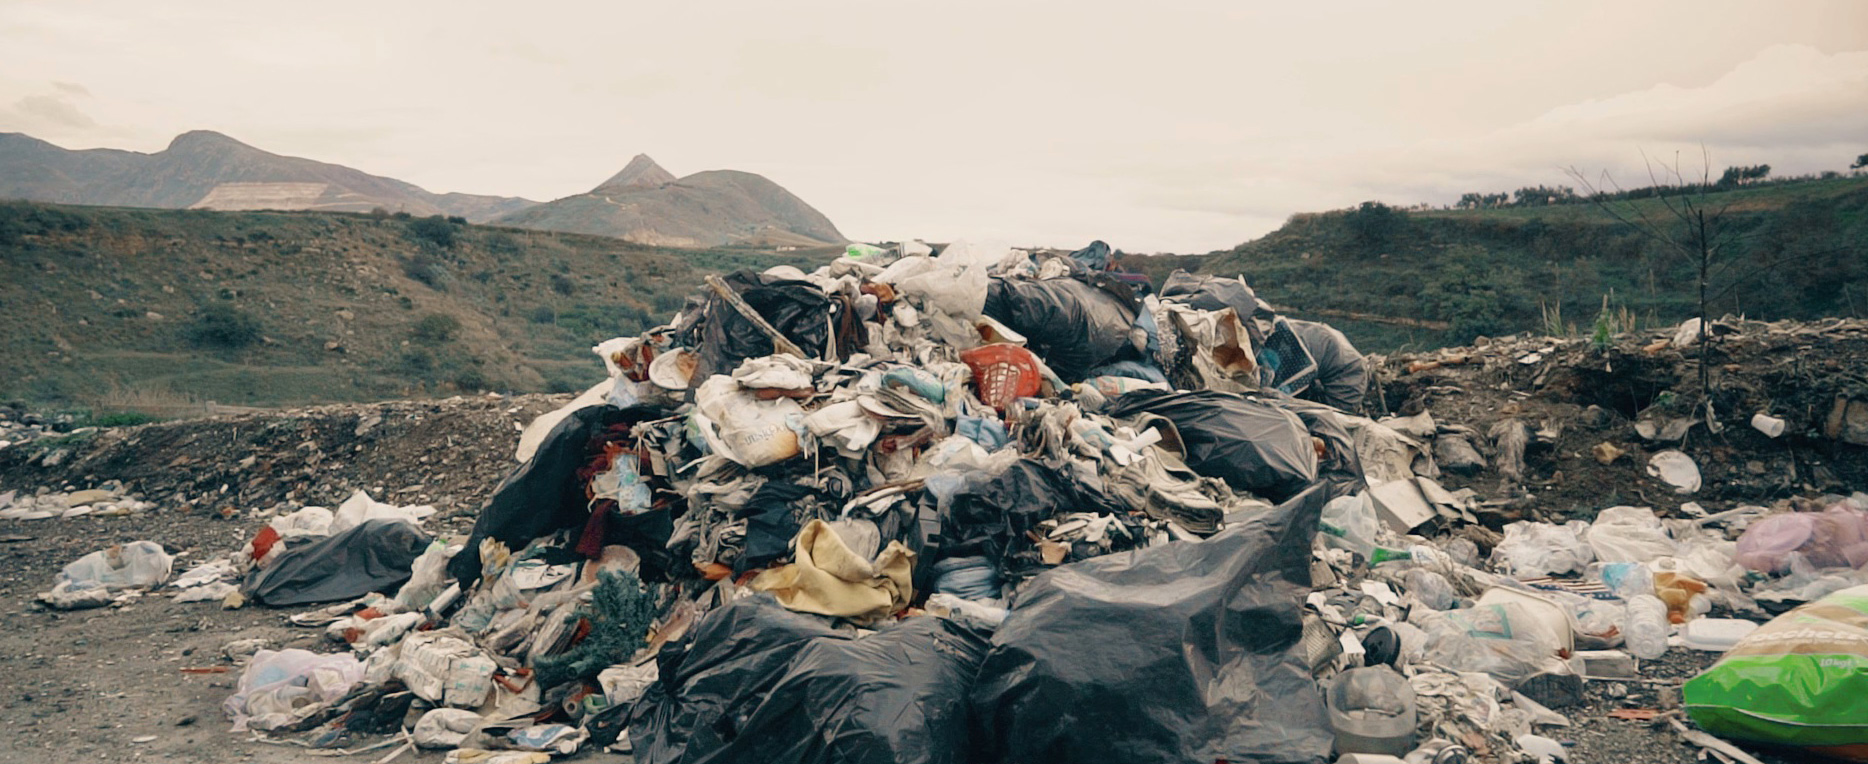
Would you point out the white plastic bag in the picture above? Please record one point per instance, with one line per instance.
(310, 521)
(360, 508)
(279, 682)
(427, 576)
(135, 565)
(1542, 549)
(1629, 534)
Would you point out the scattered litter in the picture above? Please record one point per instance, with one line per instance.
(1676, 469)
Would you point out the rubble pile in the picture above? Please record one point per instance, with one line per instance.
(990, 505)
(18, 426)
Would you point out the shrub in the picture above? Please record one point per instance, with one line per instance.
(500, 243)
(470, 380)
(435, 230)
(435, 329)
(223, 326)
(426, 269)
(562, 284)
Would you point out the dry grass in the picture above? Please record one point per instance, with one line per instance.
(151, 399)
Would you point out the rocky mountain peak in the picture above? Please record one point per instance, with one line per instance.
(641, 172)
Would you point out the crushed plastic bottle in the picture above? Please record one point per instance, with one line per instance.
(1432, 589)
(1647, 627)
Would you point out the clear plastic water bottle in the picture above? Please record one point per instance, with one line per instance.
(1647, 626)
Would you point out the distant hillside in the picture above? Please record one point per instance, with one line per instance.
(649, 205)
(207, 170)
(1796, 250)
(275, 308)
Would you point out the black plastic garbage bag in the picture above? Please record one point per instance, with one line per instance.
(1251, 444)
(1342, 374)
(894, 697)
(990, 515)
(374, 556)
(1184, 652)
(797, 309)
(754, 682)
(771, 524)
(1212, 293)
(544, 496)
(1340, 468)
(1072, 325)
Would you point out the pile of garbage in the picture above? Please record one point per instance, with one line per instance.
(991, 505)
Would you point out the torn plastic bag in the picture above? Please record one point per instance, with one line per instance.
(797, 309)
(897, 696)
(1212, 293)
(1072, 325)
(376, 556)
(1799, 680)
(1188, 651)
(1342, 373)
(545, 495)
(1095, 257)
(1206, 350)
(1253, 445)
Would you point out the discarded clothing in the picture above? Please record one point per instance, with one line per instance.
(828, 578)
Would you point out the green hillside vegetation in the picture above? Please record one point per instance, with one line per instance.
(152, 309)
(1795, 249)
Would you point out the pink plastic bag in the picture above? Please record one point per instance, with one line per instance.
(1834, 538)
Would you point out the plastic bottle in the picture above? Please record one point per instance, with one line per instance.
(1625, 579)
(1419, 553)
(1647, 626)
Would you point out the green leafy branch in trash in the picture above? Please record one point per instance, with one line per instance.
(620, 613)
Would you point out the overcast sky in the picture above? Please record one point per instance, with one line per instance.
(1182, 128)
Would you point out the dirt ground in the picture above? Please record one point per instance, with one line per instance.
(85, 686)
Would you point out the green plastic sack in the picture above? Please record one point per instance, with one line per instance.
(1800, 680)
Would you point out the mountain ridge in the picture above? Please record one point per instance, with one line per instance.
(643, 203)
(204, 169)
